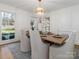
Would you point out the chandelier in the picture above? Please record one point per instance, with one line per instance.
(40, 10)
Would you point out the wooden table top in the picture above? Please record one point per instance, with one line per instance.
(50, 38)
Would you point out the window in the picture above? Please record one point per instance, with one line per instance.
(7, 26)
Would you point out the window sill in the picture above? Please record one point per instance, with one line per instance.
(8, 42)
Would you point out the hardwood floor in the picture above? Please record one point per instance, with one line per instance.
(5, 53)
(0, 53)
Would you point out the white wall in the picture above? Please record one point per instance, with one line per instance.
(22, 18)
(66, 19)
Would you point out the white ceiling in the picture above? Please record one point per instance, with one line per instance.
(49, 5)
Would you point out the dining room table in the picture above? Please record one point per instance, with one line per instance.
(54, 39)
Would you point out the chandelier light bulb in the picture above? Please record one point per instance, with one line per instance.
(40, 10)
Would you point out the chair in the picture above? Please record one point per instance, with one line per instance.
(39, 50)
(65, 51)
(25, 42)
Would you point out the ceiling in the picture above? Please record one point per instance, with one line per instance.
(49, 5)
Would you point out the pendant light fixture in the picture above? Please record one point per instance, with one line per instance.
(40, 10)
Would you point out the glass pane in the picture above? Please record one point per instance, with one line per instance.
(8, 27)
